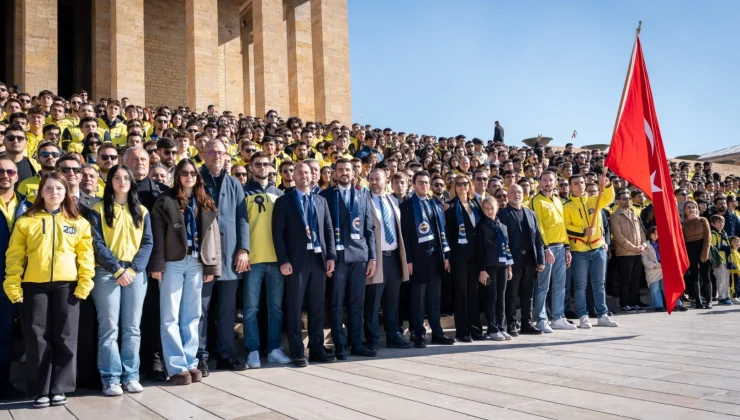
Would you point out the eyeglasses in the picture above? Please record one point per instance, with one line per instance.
(240, 174)
(272, 174)
(9, 172)
(2, 89)
(462, 184)
(11, 139)
(481, 179)
(193, 174)
(214, 153)
(260, 164)
(67, 169)
(161, 121)
(291, 170)
(52, 154)
(249, 150)
(108, 157)
(169, 152)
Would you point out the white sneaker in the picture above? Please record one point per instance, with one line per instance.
(585, 322)
(506, 335)
(736, 301)
(605, 321)
(253, 360)
(277, 356)
(544, 327)
(498, 337)
(133, 387)
(562, 324)
(113, 390)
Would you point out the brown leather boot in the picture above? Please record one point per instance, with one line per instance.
(196, 375)
(182, 378)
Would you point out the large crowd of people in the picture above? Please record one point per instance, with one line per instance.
(133, 239)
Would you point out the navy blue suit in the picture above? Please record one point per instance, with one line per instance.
(348, 280)
(309, 268)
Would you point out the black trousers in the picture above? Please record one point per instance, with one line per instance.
(348, 285)
(495, 299)
(225, 314)
(151, 341)
(427, 295)
(50, 316)
(521, 289)
(630, 273)
(88, 375)
(309, 283)
(698, 275)
(465, 276)
(386, 293)
(7, 317)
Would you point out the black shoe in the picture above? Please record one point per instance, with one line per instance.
(328, 351)
(322, 358)
(232, 364)
(571, 315)
(681, 309)
(154, 375)
(203, 367)
(478, 337)
(9, 392)
(529, 328)
(300, 362)
(396, 343)
(512, 330)
(340, 356)
(239, 318)
(420, 344)
(466, 339)
(593, 315)
(443, 340)
(659, 309)
(363, 351)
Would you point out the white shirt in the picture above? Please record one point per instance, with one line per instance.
(384, 245)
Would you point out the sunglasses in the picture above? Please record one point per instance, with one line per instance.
(14, 138)
(161, 121)
(261, 164)
(563, 185)
(151, 151)
(240, 174)
(9, 172)
(94, 143)
(68, 169)
(462, 184)
(52, 154)
(108, 157)
(273, 174)
(193, 174)
(438, 185)
(250, 150)
(481, 179)
(214, 153)
(169, 152)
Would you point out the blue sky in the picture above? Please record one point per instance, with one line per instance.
(547, 67)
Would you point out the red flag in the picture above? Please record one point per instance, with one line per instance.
(637, 155)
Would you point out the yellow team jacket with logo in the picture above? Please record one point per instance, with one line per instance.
(549, 212)
(118, 133)
(47, 247)
(579, 211)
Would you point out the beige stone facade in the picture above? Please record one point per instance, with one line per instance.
(246, 56)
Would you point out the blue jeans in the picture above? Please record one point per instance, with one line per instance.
(118, 304)
(554, 273)
(656, 294)
(179, 306)
(589, 265)
(269, 273)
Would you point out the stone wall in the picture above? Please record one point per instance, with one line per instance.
(165, 52)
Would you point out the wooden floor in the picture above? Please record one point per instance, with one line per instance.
(654, 366)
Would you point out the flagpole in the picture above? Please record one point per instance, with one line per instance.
(627, 79)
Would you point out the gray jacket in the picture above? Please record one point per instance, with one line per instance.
(232, 218)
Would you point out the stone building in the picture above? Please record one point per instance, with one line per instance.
(243, 56)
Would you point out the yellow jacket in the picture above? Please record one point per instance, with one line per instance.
(550, 219)
(578, 212)
(48, 247)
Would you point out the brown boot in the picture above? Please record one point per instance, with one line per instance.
(196, 375)
(182, 378)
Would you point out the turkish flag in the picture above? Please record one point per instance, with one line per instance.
(637, 155)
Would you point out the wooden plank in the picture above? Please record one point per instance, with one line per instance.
(279, 399)
(217, 402)
(169, 406)
(51, 413)
(92, 406)
(366, 401)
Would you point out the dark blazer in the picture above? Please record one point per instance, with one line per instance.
(419, 252)
(460, 252)
(486, 244)
(85, 203)
(361, 250)
(6, 230)
(232, 219)
(508, 218)
(289, 233)
(148, 192)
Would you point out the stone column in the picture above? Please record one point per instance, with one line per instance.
(203, 65)
(331, 61)
(101, 59)
(270, 57)
(229, 41)
(127, 50)
(300, 59)
(37, 33)
(247, 38)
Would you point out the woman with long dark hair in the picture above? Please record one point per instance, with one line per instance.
(49, 268)
(187, 252)
(122, 238)
(461, 218)
(697, 235)
(91, 145)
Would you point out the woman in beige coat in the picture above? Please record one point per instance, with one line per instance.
(654, 272)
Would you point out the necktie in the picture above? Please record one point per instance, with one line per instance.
(427, 208)
(305, 209)
(387, 223)
(345, 197)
